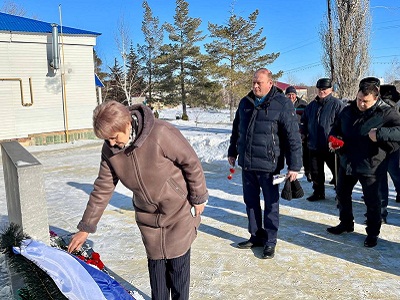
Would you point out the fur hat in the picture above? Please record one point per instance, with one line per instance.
(324, 83)
(389, 91)
(290, 89)
(370, 80)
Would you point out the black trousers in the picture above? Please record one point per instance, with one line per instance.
(306, 158)
(317, 168)
(372, 199)
(170, 277)
(394, 172)
(253, 182)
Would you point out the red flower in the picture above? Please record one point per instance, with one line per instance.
(335, 142)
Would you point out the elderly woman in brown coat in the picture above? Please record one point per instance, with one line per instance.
(152, 159)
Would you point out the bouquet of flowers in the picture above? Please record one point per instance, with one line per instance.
(85, 254)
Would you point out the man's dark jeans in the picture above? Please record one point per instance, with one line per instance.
(253, 181)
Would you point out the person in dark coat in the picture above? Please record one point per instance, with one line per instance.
(316, 123)
(299, 105)
(390, 94)
(366, 126)
(265, 132)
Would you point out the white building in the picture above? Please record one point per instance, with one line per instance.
(47, 82)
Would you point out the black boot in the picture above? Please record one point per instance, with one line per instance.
(371, 241)
(316, 196)
(341, 228)
(269, 252)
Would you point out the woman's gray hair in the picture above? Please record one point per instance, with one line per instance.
(110, 117)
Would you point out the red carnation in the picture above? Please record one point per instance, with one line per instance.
(335, 142)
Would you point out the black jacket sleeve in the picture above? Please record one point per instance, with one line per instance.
(232, 150)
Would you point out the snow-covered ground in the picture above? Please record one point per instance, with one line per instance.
(309, 263)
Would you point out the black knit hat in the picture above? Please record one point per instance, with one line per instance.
(290, 89)
(324, 83)
(292, 190)
(297, 190)
(370, 80)
(287, 190)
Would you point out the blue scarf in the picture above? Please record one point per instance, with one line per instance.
(259, 101)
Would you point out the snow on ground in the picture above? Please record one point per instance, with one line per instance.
(309, 263)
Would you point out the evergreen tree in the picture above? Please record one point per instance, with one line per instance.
(204, 92)
(236, 49)
(153, 36)
(98, 66)
(135, 81)
(179, 59)
(113, 86)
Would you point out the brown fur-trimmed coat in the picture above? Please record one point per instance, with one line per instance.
(166, 178)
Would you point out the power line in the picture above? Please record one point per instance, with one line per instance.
(386, 7)
(302, 68)
(394, 55)
(298, 46)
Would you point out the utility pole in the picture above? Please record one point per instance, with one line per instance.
(331, 42)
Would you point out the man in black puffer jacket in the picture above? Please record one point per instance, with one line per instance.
(265, 131)
(369, 128)
(316, 123)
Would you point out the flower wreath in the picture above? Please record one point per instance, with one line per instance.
(46, 270)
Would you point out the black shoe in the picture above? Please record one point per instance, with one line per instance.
(248, 244)
(371, 241)
(340, 228)
(397, 198)
(308, 176)
(316, 197)
(332, 181)
(269, 252)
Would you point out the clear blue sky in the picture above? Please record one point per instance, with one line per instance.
(291, 27)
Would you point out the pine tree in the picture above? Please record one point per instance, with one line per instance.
(236, 49)
(179, 59)
(97, 66)
(135, 82)
(113, 87)
(204, 92)
(153, 36)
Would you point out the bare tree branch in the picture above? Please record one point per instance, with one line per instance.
(10, 7)
(347, 44)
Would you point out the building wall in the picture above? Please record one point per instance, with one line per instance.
(25, 57)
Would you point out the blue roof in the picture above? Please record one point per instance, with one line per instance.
(19, 24)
